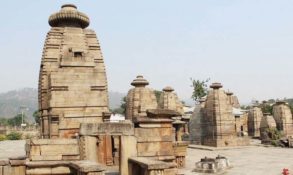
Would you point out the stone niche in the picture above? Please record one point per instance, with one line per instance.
(72, 80)
(283, 117)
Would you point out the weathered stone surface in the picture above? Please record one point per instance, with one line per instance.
(218, 124)
(85, 166)
(150, 164)
(4, 162)
(254, 118)
(162, 113)
(170, 100)
(283, 117)
(55, 149)
(195, 128)
(72, 81)
(147, 149)
(267, 122)
(140, 99)
(128, 149)
(121, 128)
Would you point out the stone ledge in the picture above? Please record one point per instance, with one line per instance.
(107, 128)
(151, 164)
(86, 166)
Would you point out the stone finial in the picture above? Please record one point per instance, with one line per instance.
(168, 89)
(216, 86)
(139, 82)
(69, 16)
(229, 93)
(280, 102)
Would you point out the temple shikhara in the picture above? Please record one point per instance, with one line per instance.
(79, 137)
(72, 83)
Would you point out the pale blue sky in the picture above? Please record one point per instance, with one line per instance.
(244, 44)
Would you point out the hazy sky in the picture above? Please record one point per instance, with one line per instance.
(244, 44)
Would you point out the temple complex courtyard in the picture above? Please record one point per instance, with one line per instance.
(249, 160)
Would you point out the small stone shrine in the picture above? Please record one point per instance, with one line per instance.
(283, 117)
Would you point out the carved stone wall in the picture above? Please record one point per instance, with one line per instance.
(170, 100)
(218, 127)
(72, 80)
(139, 99)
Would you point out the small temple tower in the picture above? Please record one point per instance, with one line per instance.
(283, 117)
(139, 99)
(233, 100)
(72, 80)
(218, 127)
(255, 116)
(170, 100)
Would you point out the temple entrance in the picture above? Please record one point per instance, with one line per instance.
(114, 143)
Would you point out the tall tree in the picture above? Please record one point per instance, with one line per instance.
(158, 95)
(200, 89)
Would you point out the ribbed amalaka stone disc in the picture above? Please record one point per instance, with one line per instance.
(139, 81)
(216, 86)
(69, 16)
(168, 89)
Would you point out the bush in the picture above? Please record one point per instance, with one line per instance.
(2, 137)
(14, 136)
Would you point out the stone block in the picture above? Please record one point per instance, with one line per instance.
(155, 149)
(53, 150)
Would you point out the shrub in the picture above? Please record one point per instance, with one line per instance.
(2, 137)
(14, 136)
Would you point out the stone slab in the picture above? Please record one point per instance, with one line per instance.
(120, 128)
(151, 164)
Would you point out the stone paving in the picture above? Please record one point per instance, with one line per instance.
(13, 148)
(254, 160)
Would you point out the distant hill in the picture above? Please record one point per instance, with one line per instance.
(10, 102)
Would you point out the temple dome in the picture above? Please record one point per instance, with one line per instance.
(69, 16)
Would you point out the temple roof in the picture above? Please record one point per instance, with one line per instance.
(69, 16)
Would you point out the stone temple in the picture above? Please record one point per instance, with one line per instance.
(72, 81)
(77, 137)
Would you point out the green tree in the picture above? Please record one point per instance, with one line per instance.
(122, 108)
(158, 95)
(267, 108)
(200, 89)
(16, 121)
(3, 121)
(37, 116)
